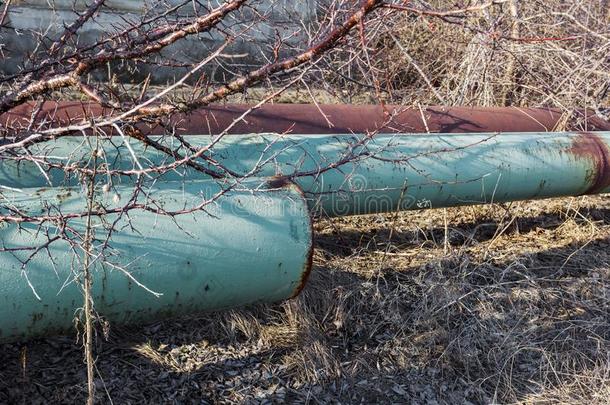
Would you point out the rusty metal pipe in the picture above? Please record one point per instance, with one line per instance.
(326, 119)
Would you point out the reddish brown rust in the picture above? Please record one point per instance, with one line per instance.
(308, 119)
(283, 182)
(589, 146)
(306, 271)
(277, 182)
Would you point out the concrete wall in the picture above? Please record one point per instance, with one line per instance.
(28, 16)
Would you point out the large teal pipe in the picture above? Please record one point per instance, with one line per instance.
(382, 174)
(246, 247)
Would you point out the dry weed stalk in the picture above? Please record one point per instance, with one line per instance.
(514, 53)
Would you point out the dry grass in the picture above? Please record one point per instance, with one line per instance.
(516, 309)
(560, 58)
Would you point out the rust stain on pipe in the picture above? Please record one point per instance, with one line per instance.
(589, 146)
(277, 182)
(309, 119)
(306, 272)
